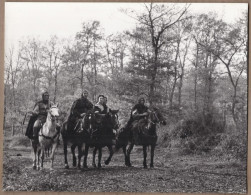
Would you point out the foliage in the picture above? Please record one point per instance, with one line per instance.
(193, 67)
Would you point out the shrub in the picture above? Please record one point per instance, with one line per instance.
(19, 141)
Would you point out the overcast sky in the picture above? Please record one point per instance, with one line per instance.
(64, 19)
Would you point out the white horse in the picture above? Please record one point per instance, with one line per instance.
(48, 138)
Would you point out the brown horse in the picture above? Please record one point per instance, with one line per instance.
(48, 138)
(143, 132)
(111, 125)
(76, 139)
(100, 135)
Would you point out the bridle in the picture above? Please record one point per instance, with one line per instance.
(157, 118)
(52, 117)
(117, 121)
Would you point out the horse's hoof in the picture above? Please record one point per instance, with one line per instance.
(99, 166)
(34, 167)
(94, 165)
(39, 168)
(151, 166)
(145, 166)
(79, 167)
(66, 166)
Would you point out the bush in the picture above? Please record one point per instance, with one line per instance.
(196, 133)
(19, 141)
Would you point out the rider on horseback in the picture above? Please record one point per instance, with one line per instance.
(101, 107)
(139, 111)
(39, 114)
(78, 110)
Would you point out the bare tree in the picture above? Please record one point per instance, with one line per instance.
(157, 20)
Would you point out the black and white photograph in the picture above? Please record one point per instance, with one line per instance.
(125, 97)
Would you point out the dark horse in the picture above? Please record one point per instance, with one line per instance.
(77, 138)
(101, 134)
(143, 132)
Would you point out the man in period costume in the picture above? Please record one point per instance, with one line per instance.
(78, 110)
(39, 115)
(139, 111)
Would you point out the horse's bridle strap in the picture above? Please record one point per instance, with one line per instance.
(47, 137)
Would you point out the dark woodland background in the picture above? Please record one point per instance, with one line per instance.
(192, 67)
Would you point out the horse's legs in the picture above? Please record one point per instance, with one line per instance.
(124, 151)
(145, 155)
(128, 161)
(54, 146)
(86, 155)
(34, 145)
(94, 156)
(74, 159)
(65, 155)
(79, 155)
(110, 156)
(38, 158)
(152, 155)
(99, 156)
(42, 157)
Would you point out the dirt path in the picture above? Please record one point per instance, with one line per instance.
(172, 173)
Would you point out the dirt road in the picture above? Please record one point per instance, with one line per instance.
(172, 173)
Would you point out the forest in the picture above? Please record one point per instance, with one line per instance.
(192, 67)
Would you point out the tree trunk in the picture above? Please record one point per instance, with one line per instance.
(95, 71)
(180, 89)
(175, 76)
(233, 105)
(153, 76)
(56, 86)
(82, 77)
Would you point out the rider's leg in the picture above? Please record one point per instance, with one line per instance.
(36, 128)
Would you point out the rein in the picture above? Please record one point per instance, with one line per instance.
(47, 137)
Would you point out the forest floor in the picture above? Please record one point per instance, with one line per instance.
(172, 173)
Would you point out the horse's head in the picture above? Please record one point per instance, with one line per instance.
(54, 112)
(155, 116)
(113, 119)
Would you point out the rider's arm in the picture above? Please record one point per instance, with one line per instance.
(144, 114)
(36, 110)
(134, 113)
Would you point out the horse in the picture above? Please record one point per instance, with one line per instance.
(76, 138)
(100, 135)
(48, 138)
(112, 124)
(143, 133)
